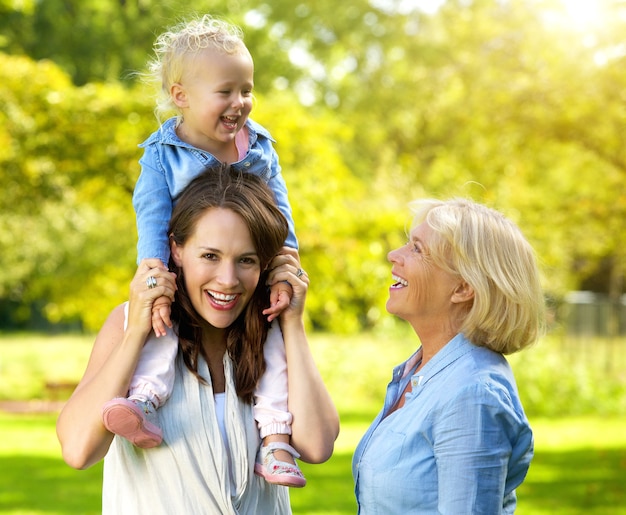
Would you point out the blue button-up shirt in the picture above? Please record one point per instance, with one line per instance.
(169, 164)
(461, 443)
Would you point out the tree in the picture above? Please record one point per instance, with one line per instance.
(372, 104)
(69, 159)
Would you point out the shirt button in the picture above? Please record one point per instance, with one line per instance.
(247, 165)
(416, 381)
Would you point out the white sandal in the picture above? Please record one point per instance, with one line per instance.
(278, 472)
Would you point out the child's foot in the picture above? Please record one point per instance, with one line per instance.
(278, 472)
(133, 420)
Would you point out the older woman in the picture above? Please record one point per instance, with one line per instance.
(452, 437)
(225, 231)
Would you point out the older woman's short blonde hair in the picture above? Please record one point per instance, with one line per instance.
(174, 48)
(490, 253)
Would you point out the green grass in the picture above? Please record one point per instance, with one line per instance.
(34, 478)
(579, 468)
(580, 458)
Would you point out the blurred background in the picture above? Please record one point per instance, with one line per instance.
(519, 104)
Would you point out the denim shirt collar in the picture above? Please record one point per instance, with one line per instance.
(166, 134)
(453, 350)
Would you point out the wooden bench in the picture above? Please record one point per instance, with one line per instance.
(60, 390)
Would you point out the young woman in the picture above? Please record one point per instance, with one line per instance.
(224, 235)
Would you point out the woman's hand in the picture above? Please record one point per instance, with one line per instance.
(286, 267)
(151, 282)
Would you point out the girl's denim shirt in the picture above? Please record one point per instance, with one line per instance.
(169, 164)
(461, 443)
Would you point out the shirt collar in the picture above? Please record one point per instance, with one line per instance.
(453, 350)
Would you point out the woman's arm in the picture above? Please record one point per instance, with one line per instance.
(84, 439)
(315, 419)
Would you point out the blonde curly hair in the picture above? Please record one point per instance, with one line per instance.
(174, 48)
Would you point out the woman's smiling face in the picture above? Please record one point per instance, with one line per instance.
(422, 291)
(220, 265)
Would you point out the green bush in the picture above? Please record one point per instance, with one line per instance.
(557, 377)
(571, 377)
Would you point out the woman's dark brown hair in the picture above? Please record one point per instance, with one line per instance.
(249, 197)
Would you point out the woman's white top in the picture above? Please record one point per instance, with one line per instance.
(192, 471)
(220, 413)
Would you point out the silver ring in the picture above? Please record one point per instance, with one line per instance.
(300, 272)
(151, 282)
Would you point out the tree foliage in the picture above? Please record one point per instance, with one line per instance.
(371, 103)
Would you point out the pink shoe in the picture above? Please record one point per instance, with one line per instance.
(278, 472)
(133, 420)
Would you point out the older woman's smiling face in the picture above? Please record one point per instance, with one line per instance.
(422, 291)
